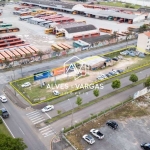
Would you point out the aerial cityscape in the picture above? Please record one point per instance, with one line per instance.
(74, 75)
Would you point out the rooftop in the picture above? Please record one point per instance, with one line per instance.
(80, 28)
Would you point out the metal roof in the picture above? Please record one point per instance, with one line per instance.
(69, 25)
(80, 28)
(92, 40)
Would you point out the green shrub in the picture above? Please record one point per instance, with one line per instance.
(1, 121)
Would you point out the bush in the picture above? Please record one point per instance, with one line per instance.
(1, 121)
(127, 5)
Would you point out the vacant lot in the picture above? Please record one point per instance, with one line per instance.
(133, 129)
(66, 84)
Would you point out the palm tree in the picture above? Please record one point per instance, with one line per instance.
(114, 35)
(40, 53)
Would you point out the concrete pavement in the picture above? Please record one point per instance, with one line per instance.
(88, 96)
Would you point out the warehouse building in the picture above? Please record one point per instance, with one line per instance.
(99, 40)
(108, 14)
(91, 63)
(74, 31)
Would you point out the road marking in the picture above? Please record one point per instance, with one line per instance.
(49, 135)
(21, 130)
(39, 121)
(47, 132)
(44, 127)
(31, 112)
(8, 127)
(48, 116)
(35, 117)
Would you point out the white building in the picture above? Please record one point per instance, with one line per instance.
(143, 43)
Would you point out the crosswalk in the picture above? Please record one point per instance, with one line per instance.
(47, 131)
(35, 117)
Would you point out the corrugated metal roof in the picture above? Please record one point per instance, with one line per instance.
(80, 28)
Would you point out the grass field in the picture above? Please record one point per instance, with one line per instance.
(119, 4)
(3, 130)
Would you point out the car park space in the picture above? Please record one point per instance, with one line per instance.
(130, 135)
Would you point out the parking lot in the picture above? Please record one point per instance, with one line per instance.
(131, 133)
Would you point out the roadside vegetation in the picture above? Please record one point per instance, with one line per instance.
(134, 108)
(119, 4)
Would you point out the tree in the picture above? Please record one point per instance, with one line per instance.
(116, 84)
(40, 53)
(9, 143)
(59, 112)
(147, 82)
(143, 28)
(96, 92)
(79, 101)
(114, 35)
(133, 78)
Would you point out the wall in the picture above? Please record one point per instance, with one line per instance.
(142, 42)
(139, 18)
(70, 35)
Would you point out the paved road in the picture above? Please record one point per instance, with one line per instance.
(98, 107)
(19, 127)
(30, 70)
(88, 96)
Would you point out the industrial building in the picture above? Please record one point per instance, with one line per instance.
(91, 63)
(75, 31)
(143, 43)
(108, 14)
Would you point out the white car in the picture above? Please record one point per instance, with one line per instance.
(56, 93)
(88, 138)
(115, 72)
(3, 98)
(102, 77)
(48, 108)
(97, 134)
(27, 84)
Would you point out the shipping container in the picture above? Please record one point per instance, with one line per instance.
(5, 55)
(35, 49)
(25, 51)
(16, 53)
(21, 52)
(10, 53)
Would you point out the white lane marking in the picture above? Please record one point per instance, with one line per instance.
(31, 112)
(8, 128)
(45, 130)
(48, 134)
(39, 121)
(35, 117)
(21, 130)
(48, 115)
(44, 127)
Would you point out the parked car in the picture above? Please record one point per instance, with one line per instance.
(88, 138)
(115, 72)
(48, 108)
(112, 73)
(97, 133)
(56, 93)
(145, 146)
(112, 124)
(120, 70)
(115, 59)
(5, 113)
(108, 75)
(27, 84)
(3, 98)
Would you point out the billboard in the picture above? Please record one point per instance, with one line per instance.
(42, 75)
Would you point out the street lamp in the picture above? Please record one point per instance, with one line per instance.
(72, 112)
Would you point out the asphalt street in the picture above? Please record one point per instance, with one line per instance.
(7, 76)
(94, 109)
(88, 96)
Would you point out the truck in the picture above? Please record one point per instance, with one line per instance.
(60, 34)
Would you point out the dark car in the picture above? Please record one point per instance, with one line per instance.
(120, 70)
(5, 113)
(108, 75)
(146, 146)
(115, 59)
(112, 73)
(112, 124)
